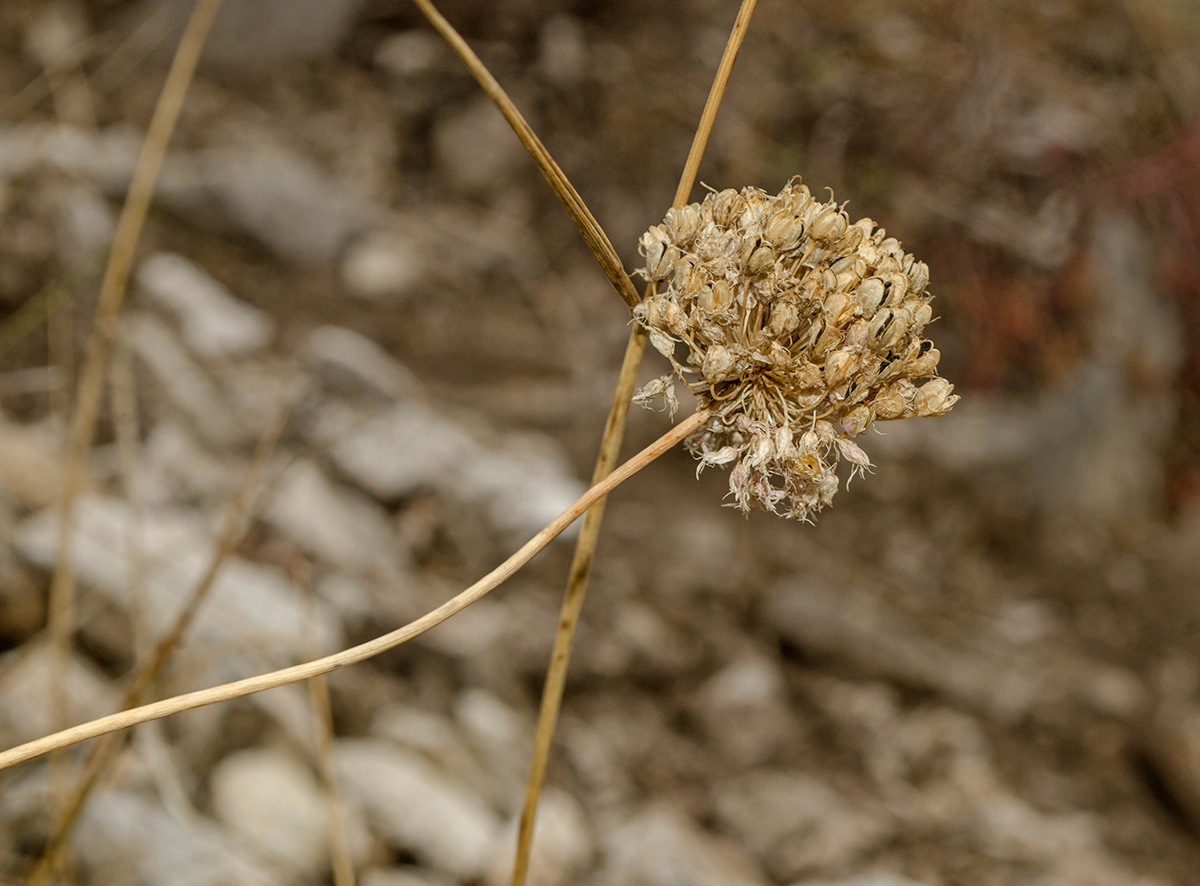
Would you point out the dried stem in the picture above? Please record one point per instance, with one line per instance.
(112, 294)
(308, 670)
(610, 445)
(592, 233)
(234, 523)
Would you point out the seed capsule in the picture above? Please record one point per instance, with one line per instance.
(897, 289)
(785, 317)
(889, 405)
(918, 277)
(870, 295)
(760, 261)
(683, 223)
(829, 225)
(838, 367)
(784, 230)
(837, 307)
(727, 207)
(935, 397)
(718, 364)
(925, 364)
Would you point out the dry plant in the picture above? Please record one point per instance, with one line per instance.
(800, 328)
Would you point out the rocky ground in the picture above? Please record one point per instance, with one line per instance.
(981, 666)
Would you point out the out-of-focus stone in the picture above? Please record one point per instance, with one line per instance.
(1173, 746)
(409, 876)
(250, 606)
(476, 148)
(272, 800)
(255, 36)
(796, 823)
(340, 525)
(270, 191)
(29, 683)
(30, 466)
(383, 266)
(175, 469)
(414, 807)
(661, 847)
(432, 735)
(127, 838)
(881, 878)
(521, 482)
(562, 844)
(354, 366)
(215, 323)
(407, 53)
(744, 709)
(189, 388)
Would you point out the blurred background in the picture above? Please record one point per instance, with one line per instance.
(981, 666)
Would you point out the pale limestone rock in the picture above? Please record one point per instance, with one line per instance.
(562, 844)
(133, 840)
(215, 323)
(661, 847)
(415, 807)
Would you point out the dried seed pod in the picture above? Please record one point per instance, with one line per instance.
(785, 317)
(804, 330)
(718, 364)
(829, 226)
(784, 230)
(838, 367)
(897, 289)
(890, 405)
(837, 307)
(925, 364)
(727, 207)
(935, 397)
(918, 277)
(683, 223)
(870, 295)
(760, 260)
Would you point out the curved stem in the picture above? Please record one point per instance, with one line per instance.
(363, 651)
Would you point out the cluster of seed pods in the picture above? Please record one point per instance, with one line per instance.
(801, 330)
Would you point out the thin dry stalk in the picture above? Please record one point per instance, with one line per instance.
(340, 856)
(237, 516)
(610, 444)
(308, 670)
(592, 233)
(112, 294)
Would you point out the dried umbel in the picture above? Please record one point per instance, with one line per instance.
(802, 329)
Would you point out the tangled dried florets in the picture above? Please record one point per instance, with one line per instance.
(802, 329)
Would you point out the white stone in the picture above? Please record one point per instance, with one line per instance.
(30, 463)
(476, 148)
(409, 876)
(661, 847)
(28, 682)
(521, 481)
(413, 806)
(215, 323)
(124, 832)
(349, 360)
(273, 801)
(406, 53)
(186, 384)
(795, 822)
(562, 844)
(337, 524)
(383, 266)
(253, 613)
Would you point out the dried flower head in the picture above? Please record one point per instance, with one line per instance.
(801, 328)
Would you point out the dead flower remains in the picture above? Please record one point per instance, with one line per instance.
(802, 330)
